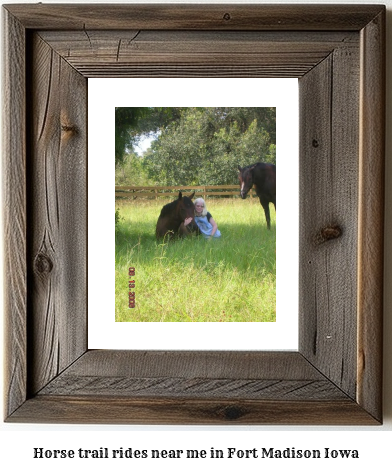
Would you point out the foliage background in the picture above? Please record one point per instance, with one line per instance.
(192, 145)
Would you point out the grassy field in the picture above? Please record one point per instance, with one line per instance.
(229, 279)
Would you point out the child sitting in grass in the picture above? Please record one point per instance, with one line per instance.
(208, 227)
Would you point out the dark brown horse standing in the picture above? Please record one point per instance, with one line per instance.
(263, 177)
(172, 216)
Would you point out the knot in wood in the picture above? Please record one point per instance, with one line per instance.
(233, 412)
(43, 264)
(328, 233)
(69, 129)
(227, 16)
(315, 143)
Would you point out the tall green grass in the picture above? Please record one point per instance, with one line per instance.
(231, 278)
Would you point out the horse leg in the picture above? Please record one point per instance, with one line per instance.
(265, 204)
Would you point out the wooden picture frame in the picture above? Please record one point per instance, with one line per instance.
(338, 54)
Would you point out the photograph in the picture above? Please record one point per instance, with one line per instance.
(179, 258)
(195, 216)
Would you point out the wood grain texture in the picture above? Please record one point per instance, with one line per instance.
(129, 53)
(207, 364)
(57, 197)
(335, 378)
(329, 98)
(195, 17)
(14, 208)
(231, 375)
(192, 387)
(103, 409)
(371, 215)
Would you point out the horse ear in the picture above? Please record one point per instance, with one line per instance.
(191, 196)
(180, 195)
(239, 168)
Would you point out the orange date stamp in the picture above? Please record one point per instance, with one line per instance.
(131, 286)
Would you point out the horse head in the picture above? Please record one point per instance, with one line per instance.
(185, 206)
(246, 180)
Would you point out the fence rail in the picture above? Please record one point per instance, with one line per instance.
(156, 192)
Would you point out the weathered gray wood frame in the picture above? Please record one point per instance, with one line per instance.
(337, 52)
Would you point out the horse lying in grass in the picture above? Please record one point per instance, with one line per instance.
(263, 177)
(171, 219)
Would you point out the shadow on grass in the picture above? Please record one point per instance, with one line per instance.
(242, 247)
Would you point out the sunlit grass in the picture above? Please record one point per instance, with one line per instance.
(232, 278)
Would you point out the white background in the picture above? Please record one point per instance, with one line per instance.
(18, 441)
(104, 332)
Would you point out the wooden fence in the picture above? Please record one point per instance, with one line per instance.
(156, 192)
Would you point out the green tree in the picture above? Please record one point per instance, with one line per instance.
(126, 121)
(206, 145)
(132, 123)
(179, 152)
(131, 171)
